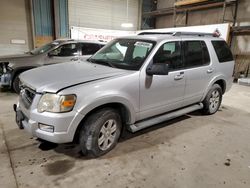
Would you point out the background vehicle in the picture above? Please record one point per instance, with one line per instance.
(58, 51)
(133, 82)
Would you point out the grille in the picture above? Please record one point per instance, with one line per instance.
(27, 95)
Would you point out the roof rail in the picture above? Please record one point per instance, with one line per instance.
(181, 33)
(195, 34)
(156, 33)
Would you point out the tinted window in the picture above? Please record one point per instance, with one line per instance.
(195, 53)
(65, 50)
(89, 49)
(223, 51)
(170, 53)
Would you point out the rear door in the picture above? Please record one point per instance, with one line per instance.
(198, 70)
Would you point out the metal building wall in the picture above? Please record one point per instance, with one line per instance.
(104, 14)
(15, 24)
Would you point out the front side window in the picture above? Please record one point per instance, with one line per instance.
(127, 54)
(195, 54)
(223, 51)
(65, 50)
(170, 53)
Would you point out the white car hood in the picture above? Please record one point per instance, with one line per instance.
(54, 78)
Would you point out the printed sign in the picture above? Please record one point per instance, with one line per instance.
(82, 33)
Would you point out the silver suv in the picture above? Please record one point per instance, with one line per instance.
(133, 82)
(58, 51)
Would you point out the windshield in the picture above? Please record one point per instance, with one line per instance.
(126, 54)
(44, 48)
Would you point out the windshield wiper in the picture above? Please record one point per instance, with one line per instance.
(101, 61)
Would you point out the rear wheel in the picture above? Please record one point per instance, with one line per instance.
(100, 132)
(213, 100)
(16, 84)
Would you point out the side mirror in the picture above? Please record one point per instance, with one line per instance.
(157, 69)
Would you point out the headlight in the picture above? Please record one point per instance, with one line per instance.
(56, 103)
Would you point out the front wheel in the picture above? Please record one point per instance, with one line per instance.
(16, 84)
(213, 100)
(100, 132)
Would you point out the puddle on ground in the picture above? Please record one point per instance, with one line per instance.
(59, 167)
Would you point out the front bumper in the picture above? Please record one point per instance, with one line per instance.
(65, 124)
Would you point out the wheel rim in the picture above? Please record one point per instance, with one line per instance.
(107, 134)
(214, 101)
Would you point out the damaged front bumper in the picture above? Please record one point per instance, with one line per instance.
(5, 75)
(5, 80)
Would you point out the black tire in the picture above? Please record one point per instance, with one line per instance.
(92, 132)
(16, 84)
(212, 103)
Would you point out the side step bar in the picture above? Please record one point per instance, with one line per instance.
(159, 119)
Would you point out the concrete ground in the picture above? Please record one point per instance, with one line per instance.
(188, 152)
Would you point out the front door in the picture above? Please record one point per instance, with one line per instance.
(163, 93)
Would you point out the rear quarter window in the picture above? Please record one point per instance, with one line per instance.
(223, 51)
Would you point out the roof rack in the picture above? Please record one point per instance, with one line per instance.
(195, 34)
(181, 33)
(156, 33)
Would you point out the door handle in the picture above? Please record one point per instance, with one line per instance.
(74, 59)
(180, 76)
(209, 71)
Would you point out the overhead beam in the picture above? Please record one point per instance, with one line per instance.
(170, 11)
(188, 2)
(241, 30)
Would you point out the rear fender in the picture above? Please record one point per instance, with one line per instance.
(211, 83)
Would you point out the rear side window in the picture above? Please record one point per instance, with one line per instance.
(89, 48)
(223, 51)
(195, 54)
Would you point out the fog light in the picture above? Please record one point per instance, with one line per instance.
(47, 128)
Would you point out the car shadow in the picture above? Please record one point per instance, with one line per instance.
(128, 142)
(6, 90)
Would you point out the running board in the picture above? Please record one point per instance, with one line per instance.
(159, 119)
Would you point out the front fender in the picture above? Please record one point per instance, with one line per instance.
(91, 105)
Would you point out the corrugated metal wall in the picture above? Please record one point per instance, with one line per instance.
(104, 14)
(15, 23)
(43, 21)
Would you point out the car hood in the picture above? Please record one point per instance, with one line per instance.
(12, 57)
(54, 78)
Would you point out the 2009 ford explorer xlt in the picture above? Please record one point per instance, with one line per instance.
(133, 82)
